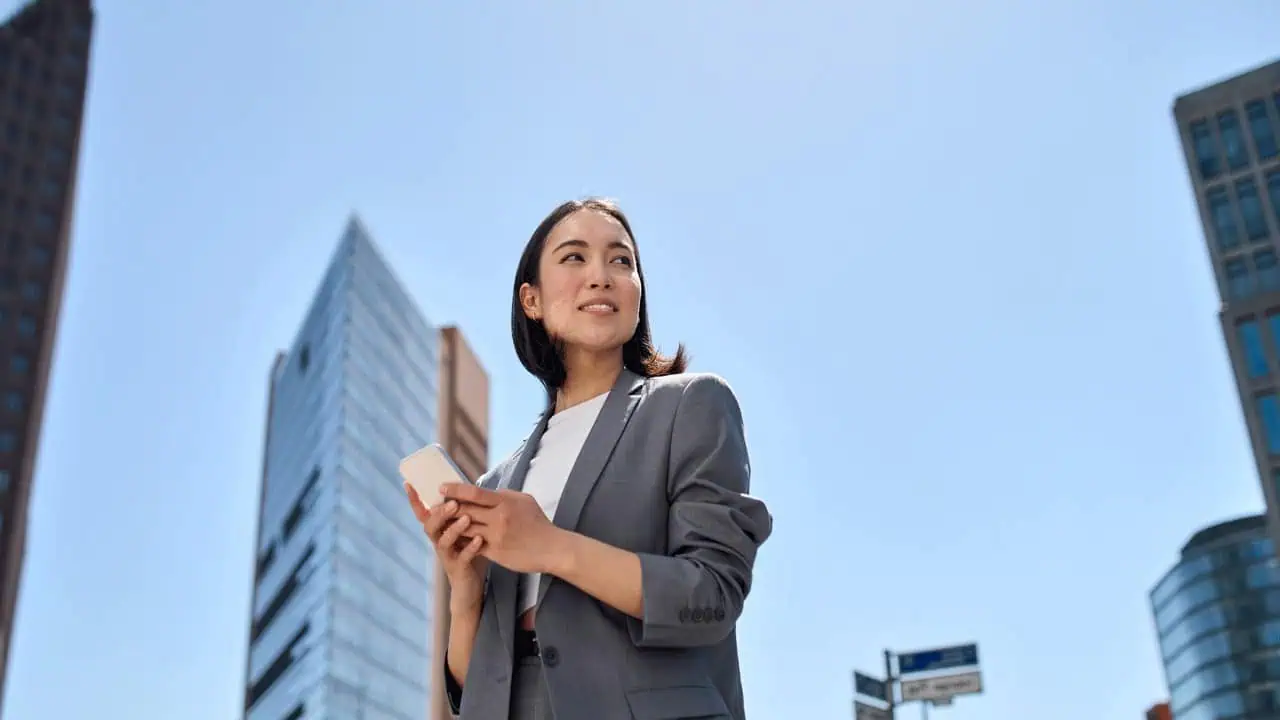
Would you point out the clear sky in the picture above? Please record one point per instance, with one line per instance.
(946, 253)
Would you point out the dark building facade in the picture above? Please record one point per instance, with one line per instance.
(44, 62)
(1217, 616)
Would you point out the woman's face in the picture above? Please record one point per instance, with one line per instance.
(588, 291)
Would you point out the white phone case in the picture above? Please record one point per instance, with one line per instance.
(427, 470)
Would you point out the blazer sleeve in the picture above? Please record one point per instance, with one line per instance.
(694, 594)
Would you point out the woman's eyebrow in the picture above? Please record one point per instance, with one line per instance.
(575, 242)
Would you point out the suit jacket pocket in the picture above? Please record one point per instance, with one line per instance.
(677, 703)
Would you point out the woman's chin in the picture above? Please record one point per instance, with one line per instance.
(593, 344)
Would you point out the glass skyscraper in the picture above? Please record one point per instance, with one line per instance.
(1217, 615)
(342, 602)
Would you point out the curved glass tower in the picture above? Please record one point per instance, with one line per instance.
(341, 616)
(1217, 615)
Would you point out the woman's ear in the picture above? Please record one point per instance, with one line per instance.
(530, 302)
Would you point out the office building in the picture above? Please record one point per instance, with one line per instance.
(464, 434)
(44, 63)
(1217, 616)
(1159, 711)
(342, 610)
(1231, 142)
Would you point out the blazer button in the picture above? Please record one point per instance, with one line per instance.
(719, 614)
(550, 656)
(697, 615)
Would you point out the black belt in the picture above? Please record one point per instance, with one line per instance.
(526, 644)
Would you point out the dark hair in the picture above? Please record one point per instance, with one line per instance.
(542, 356)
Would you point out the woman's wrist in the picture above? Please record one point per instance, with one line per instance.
(464, 609)
(561, 548)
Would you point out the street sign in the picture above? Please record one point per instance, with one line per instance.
(937, 659)
(868, 712)
(869, 686)
(943, 687)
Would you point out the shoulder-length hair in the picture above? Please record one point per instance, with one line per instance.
(540, 354)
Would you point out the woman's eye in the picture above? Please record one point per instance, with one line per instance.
(576, 257)
(623, 259)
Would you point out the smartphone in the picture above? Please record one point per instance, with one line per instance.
(427, 470)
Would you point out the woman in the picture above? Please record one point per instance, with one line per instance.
(598, 573)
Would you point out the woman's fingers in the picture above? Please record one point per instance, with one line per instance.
(420, 511)
(437, 518)
(453, 533)
(470, 550)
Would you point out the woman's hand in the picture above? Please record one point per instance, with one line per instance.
(456, 549)
(516, 533)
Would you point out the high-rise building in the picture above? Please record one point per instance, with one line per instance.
(1217, 616)
(44, 63)
(464, 434)
(1159, 711)
(342, 611)
(1231, 141)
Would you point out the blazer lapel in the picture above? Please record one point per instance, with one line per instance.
(515, 480)
(595, 452)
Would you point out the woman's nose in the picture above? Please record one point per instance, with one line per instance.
(600, 278)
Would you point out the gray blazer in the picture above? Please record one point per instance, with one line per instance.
(664, 473)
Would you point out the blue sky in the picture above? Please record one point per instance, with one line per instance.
(945, 252)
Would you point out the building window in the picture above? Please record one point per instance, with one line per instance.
(79, 31)
(1273, 192)
(31, 290)
(56, 156)
(62, 123)
(1273, 324)
(1206, 150)
(1264, 135)
(1233, 140)
(1269, 415)
(1224, 219)
(1255, 220)
(19, 364)
(8, 442)
(1264, 261)
(1239, 284)
(40, 255)
(1255, 355)
(27, 324)
(5, 480)
(304, 358)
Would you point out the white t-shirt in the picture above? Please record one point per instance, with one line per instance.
(549, 470)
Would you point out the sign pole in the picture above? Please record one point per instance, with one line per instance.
(888, 680)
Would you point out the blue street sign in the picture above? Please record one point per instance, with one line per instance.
(938, 659)
(869, 686)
